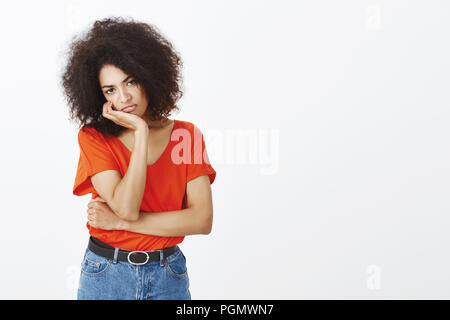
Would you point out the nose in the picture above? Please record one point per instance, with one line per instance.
(124, 95)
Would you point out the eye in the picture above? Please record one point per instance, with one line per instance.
(131, 81)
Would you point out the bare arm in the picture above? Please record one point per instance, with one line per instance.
(124, 195)
(196, 219)
(167, 224)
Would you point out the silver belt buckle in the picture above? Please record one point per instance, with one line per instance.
(137, 263)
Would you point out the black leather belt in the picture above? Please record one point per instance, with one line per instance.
(133, 257)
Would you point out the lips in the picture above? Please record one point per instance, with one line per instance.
(129, 108)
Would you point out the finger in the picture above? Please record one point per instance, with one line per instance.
(99, 199)
(110, 109)
(114, 111)
(105, 112)
(96, 205)
(112, 115)
(107, 108)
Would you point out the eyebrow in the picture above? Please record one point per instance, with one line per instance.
(109, 86)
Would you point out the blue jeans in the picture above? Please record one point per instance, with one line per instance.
(108, 279)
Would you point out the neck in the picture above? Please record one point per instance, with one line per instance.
(155, 124)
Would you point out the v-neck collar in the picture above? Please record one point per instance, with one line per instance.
(175, 122)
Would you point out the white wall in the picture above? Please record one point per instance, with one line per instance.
(341, 191)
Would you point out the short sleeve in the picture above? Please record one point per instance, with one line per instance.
(95, 156)
(199, 164)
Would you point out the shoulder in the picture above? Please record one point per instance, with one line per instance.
(184, 124)
(89, 134)
(191, 127)
(87, 131)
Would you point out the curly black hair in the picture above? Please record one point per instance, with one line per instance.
(139, 50)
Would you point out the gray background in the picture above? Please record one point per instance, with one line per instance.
(326, 121)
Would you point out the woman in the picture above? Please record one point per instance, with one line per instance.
(149, 176)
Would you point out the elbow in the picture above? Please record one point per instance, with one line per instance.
(206, 230)
(207, 225)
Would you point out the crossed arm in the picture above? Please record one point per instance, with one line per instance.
(196, 219)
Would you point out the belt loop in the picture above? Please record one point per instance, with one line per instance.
(116, 254)
(161, 257)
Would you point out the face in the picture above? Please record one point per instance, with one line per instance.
(122, 90)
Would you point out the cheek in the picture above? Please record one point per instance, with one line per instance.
(140, 92)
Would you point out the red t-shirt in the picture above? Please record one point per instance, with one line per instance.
(184, 159)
